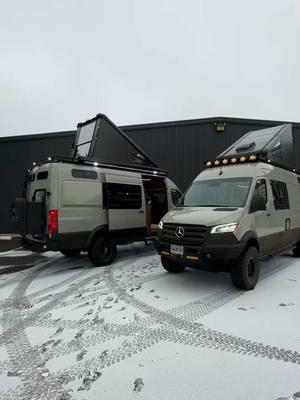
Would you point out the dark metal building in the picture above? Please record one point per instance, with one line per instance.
(180, 147)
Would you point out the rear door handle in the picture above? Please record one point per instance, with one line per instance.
(268, 215)
(141, 212)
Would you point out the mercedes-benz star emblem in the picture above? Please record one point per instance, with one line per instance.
(179, 232)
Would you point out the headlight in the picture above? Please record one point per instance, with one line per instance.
(225, 228)
(160, 225)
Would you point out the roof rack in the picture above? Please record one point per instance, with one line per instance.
(91, 162)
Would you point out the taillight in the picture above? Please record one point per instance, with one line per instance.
(52, 221)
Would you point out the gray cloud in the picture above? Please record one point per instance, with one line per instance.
(143, 61)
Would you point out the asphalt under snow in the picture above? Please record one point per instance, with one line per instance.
(133, 331)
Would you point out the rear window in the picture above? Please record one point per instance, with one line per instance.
(42, 175)
(39, 196)
(84, 173)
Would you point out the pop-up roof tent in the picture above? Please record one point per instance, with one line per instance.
(100, 140)
(274, 145)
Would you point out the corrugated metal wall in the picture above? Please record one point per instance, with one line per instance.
(179, 147)
(16, 156)
(182, 149)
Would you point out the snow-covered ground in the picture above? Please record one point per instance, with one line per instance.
(132, 331)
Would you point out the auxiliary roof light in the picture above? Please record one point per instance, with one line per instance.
(155, 172)
(49, 158)
(233, 160)
(252, 157)
(225, 161)
(209, 164)
(217, 162)
(242, 159)
(34, 163)
(96, 164)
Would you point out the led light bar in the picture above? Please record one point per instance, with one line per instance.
(233, 160)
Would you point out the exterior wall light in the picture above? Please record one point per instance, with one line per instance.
(217, 162)
(220, 126)
(242, 159)
(233, 160)
(225, 161)
(209, 164)
(252, 157)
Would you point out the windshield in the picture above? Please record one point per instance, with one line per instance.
(230, 192)
(85, 138)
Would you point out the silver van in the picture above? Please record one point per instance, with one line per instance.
(72, 208)
(243, 207)
(107, 193)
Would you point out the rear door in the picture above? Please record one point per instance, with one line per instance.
(123, 197)
(36, 220)
(37, 198)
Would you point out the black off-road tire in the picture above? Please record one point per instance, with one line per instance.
(71, 252)
(172, 266)
(296, 251)
(245, 272)
(102, 251)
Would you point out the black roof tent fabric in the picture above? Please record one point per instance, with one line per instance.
(276, 144)
(99, 139)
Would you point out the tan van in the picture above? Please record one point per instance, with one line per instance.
(79, 204)
(243, 207)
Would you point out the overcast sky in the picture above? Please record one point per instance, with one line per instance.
(63, 61)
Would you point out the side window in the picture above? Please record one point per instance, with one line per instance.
(280, 195)
(122, 196)
(39, 196)
(261, 189)
(84, 173)
(175, 196)
(42, 175)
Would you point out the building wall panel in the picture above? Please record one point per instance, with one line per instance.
(180, 147)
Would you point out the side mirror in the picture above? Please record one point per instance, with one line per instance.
(258, 204)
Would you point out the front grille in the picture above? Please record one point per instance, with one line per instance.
(193, 234)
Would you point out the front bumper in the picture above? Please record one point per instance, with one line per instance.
(217, 247)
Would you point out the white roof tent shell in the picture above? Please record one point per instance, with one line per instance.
(274, 145)
(99, 140)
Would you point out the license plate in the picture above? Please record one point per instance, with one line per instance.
(176, 249)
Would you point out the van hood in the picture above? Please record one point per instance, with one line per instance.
(208, 216)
